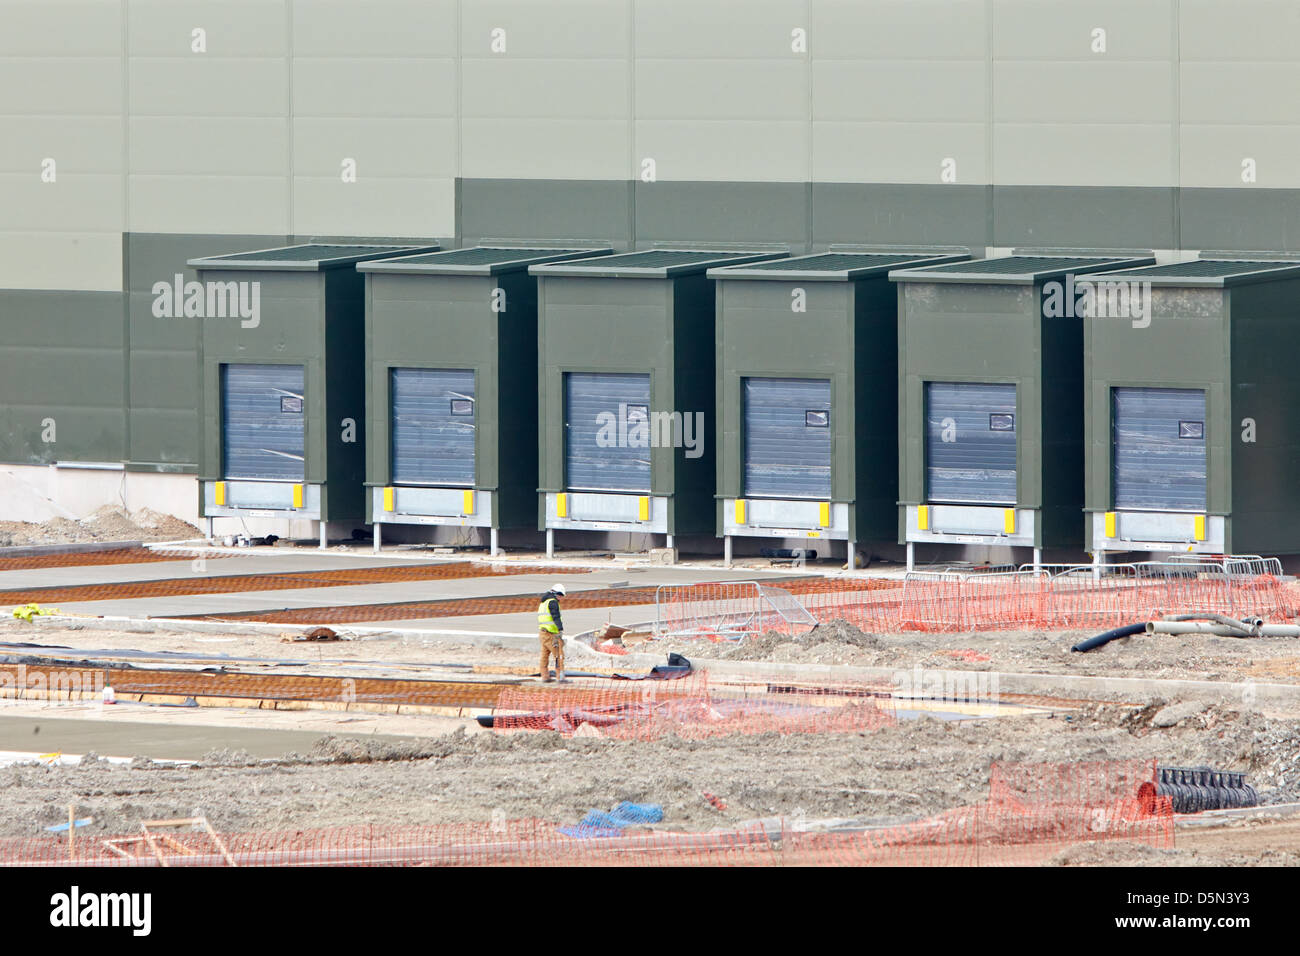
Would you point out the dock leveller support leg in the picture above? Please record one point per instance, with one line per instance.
(726, 551)
(379, 536)
(550, 543)
(1038, 560)
(492, 542)
(324, 538)
(911, 556)
(851, 561)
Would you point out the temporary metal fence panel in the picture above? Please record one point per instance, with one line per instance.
(1062, 596)
(728, 610)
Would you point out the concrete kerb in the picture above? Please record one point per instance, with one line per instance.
(40, 550)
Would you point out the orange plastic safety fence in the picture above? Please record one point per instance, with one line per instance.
(502, 843)
(990, 835)
(692, 707)
(1088, 783)
(1034, 811)
(965, 836)
(1026, 601)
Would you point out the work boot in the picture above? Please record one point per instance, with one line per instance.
(559, 677)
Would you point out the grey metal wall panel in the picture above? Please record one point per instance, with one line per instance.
(434, 415)
(263, 410)
(1239, 219)
(967, 459)
(901, 213)
(734, 212)
(592, 461)
(787, 452)
(546, 209)
(1135, 217)
(1159, 448)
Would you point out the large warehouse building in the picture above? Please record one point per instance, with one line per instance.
(138, 135)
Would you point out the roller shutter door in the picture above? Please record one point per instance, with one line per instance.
(599, 407)
(262, 415)
(970, 443)
(1159, 448)
(787, 439)
(433, 426)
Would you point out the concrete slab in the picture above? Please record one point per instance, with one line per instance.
(233, 728)
(164, 741)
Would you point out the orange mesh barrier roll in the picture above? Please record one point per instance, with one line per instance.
(691, 707)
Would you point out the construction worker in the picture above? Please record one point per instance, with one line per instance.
(550, 631)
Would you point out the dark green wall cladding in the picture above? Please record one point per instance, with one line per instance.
(163, 356)
(313, 319)
(660, 326)
(1239, 345)
(994, 333)
(1266, 389)
(1185, 346)
(64, 359)
(875, 350)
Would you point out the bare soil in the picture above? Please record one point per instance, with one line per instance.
(916, 768)
(1183, 657)
(109, 523)
(898, 773)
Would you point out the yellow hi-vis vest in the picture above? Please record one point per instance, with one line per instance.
(544, 619)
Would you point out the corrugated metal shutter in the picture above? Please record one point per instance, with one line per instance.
(593, 458)
(1159, 448)
(787, 437)
(970, 442)
(263, 408)
(433, 426)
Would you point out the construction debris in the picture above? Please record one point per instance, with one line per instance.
(315, 634)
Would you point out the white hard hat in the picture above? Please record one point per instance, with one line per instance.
(558, 589)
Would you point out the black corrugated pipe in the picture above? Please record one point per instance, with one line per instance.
(1128, 630)
(1193, 789)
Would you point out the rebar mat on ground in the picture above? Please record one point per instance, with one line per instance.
(295, 580)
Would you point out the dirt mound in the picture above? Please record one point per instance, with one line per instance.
(831, 642)
(109, 523)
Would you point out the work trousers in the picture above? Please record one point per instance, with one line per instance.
(552, 644)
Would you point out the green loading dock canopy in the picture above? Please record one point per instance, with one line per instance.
(1192, 433)
(283, 407)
